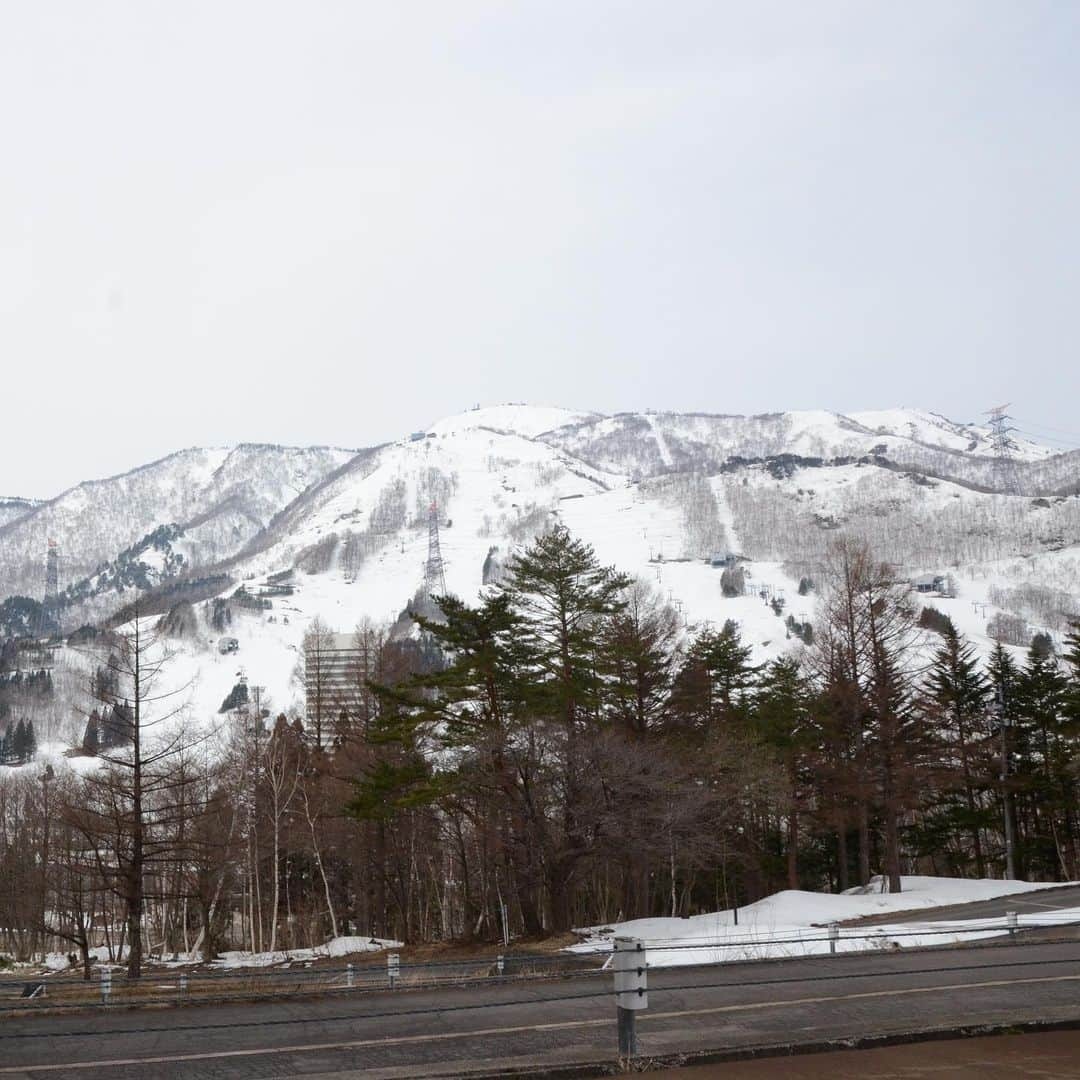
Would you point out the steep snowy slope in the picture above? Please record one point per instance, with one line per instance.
(493, 485)
(359, 543)
(228, 494)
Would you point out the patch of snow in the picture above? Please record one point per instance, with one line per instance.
(794, 923)
(339, 946)
(58, 961)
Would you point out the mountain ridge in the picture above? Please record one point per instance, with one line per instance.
(670, 498)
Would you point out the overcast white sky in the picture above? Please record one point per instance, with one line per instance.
(319, 222)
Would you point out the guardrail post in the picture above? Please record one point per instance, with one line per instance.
(500, 966)
(393, 968)
(631, 990)
(183, 985)
(834, 937)
(106, 985)
(1011, 922)
(349, 970)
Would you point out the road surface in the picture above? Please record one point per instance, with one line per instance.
(455, 1032)
(1053, 1055)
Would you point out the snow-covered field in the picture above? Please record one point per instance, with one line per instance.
(795, 923)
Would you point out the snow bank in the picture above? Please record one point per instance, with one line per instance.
(58, 961)
(918, 892)
(339, 946)
(794, 923)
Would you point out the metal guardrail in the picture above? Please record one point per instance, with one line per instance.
(179, 985)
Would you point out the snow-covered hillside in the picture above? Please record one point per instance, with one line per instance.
(226, 495)
(645, 444)
(658, 495)
(527, 420)
(11, 509)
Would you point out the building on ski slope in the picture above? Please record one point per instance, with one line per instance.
(333, 665)
(931, 583)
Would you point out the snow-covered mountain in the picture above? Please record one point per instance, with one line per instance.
(646, 444)
(659, 495)
(219, 497)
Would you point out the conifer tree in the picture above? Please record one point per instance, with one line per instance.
(562, 595)
(640, 648)
(956, 697)
(91, 742)
(897, 734)
(1071, 658)
(1051, 788)
(782, 721)
(716, 682)
(1004, 678)
(18, 744)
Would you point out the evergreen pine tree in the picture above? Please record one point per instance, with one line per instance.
(956, 695)
(1045, 752)
(1004, 676)
(91, 742)
(563, 598)
(638, 653)
(1071, 658)
(562, 595)
(897, 739)
(1014, 756)
(782, 721)
(18, 744)
(716, 681)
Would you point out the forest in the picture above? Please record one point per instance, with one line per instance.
(561, 753)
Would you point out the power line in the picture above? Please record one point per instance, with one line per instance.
(1054, 430)
(1048, 439)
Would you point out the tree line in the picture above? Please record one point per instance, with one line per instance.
(561, 752)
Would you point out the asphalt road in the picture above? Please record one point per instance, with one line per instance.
(455, 1032)
(1051, 1055)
